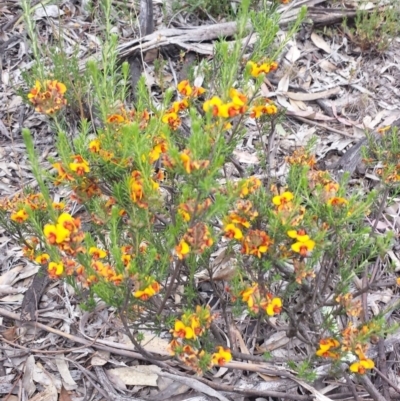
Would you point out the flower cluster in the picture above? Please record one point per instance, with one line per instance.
(258, 68)
(329, 348)
(255, 301)
(149, 288)
(48, 97)
(196, 239)
(186, 342)
(353, 340)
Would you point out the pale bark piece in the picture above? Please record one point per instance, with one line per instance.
(100, 358)
(137, 375)
(27, 379)
(68, 382)
(320, 43)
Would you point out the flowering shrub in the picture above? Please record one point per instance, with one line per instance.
(156, 203)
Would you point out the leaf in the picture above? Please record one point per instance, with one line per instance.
(9, 277)
(320, 43)
(68, 381)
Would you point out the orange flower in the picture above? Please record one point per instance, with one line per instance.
(256, 69)
(179, 106)
(325, 346)
(300, 235)
(116, 119)
(222, 356)
(249, 186)
(148, 292)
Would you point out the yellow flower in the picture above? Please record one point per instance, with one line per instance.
(182, 331)
(56, 234)
(336, 201)
(20, 216)
(172, 119)
(300, 235)
(184, 88)
(42, 259)
(214, 104)
(222, 356)
(282, 199)
(361, 366)
(97, 253)
(55, 269)
(231, 231)
(303, 247)
(94, 146)
(182, 249)
(274, 306)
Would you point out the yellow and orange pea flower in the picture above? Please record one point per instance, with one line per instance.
(255, 243)
(282, 199)
(62, 230)
(258, 110)
(172, 119)
(94, 146)
(151, 290)
(55, 270)
(182, 331)
(116, 119)
(325, 348)
(232, 231)
(42, 259)
(256, 69)
(79, 165)
(362, 366)
(48, 98)
(56, 233)
(20, 216)
(185, 89)
(249, 186)
(182, 249)
(97, 253)
(272, 305)
(337, 201)
(222, 356)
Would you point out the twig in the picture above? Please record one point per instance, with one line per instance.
(311, 122)
(385, 379)
(350, 384)
(383, 368)
(373, 392)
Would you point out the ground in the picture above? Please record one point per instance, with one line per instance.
(330, 88)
